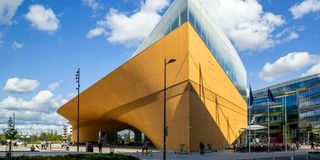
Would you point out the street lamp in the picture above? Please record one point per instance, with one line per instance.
(165, 130)
(78, 113)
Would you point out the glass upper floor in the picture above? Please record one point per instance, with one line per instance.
(217, 42)
(301, 86)
(300, 98)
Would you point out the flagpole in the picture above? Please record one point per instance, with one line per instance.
(268, 126)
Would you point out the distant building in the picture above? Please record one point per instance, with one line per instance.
(301, 100)
(66, 131)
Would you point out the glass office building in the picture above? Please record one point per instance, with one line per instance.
(215, 39)
(300, 98)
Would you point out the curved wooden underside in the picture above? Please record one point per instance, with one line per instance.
(202, 102)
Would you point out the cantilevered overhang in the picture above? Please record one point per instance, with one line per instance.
(140, 76)
(203, 104)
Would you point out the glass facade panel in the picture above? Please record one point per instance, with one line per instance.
(301, 100)
(217, 42)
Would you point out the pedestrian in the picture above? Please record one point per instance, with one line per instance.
(42, 145)
(201, 146)
(145, 147)
(312, 145)
(32, 148)
(297, 145)
(100, 146)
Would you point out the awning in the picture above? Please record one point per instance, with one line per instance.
(254, 127)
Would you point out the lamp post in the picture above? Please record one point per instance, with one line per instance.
(165, 130)
(78, 109)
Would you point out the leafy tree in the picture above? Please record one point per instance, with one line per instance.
(2, 137)
(112, 137)
(10, 133)
(50, 136)
(69, 138)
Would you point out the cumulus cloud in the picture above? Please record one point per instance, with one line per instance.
(54, 86)
(315, 69)
(44, 101)
(245, 23)
(33, 122)
(293, 61)
(42, 18)
(16, 45)
(8, 9)
(123, 28)
(305, 7)
(17, 85)
(37, 114)
(95, 32)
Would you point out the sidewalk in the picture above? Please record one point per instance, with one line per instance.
(157, 155)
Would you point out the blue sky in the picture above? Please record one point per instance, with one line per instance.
(43, 42)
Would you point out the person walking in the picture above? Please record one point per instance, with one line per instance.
(100, 146)
(145, 147)
(201, 147)
(312, 145)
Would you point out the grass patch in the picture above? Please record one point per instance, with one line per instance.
(78, 157)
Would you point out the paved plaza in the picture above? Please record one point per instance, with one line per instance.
(157, 155)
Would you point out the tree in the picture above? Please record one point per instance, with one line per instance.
(112, 138)
(2, 137)
(50, 136)
(10, 133)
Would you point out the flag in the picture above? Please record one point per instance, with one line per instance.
(270, 96)
(251, 95)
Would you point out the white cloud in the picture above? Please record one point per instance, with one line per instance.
(313, 70)
(37, 114)
(245, 23)
(54, 86)
(293, 35)
(16, 45)
(42, 18)
(44, 102)
(305, 7)
(17, 85)
(293, 61)
(131, 29)
(8, 9)
(71, 95)
(33, 122)
(93, 4)
(95, 32)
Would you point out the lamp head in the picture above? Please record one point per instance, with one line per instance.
(171, 61)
